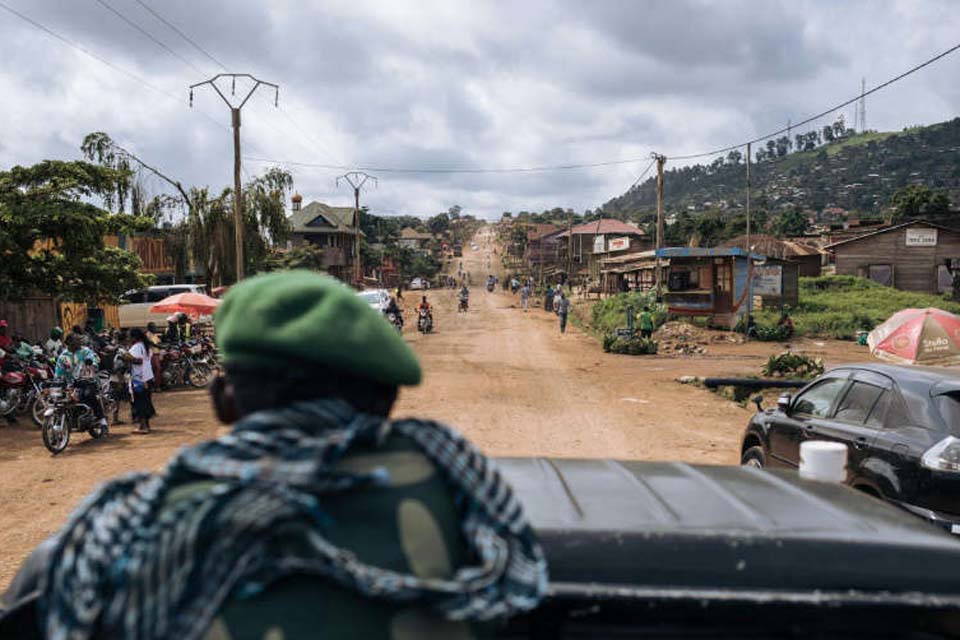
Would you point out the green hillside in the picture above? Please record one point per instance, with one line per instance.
(857, 172)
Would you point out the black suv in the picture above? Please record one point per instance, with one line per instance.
(901, 426)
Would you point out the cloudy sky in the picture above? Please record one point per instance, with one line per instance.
(453, 85)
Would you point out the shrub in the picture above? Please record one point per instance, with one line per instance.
(611, 313)
(634, 346)
(792, 365)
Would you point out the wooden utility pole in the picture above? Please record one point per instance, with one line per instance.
(356, 179)
(748, 197)
(661, 159)
(235, 121)
(749, 249)
(569, 246)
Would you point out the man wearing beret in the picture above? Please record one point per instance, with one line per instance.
(315, 517)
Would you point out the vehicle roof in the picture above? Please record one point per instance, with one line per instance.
(658, 524)
(909, 374)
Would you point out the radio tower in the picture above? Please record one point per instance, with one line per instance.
(862, 107)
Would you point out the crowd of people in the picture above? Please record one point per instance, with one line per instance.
(132, 358)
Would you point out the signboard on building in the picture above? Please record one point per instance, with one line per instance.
(921, 237)
(598, 244)
(618, 244)
(767, 280)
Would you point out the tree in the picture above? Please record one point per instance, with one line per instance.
(304, 256)
(99, 147)
(920, 201)
(791, 223)
(839, 128)
(51, 235)
(734, 157)
(828, 133)
(439, 223)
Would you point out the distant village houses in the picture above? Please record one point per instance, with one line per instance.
(331, 229)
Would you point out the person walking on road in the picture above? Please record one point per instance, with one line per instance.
(562, 311)
(548, 299)
(141, 380)
(525, 297)
(317, 516)
(645, 319)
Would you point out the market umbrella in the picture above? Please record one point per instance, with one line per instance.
(918, 336)
(194, 304)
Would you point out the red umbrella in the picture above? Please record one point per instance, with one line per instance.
(918, 336)
(194, 304)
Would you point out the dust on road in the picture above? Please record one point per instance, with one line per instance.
(505, 378)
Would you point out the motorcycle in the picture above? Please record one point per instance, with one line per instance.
(34, 400)
(396, 320)
(425, 322)
(67, 414)
(186, 365)
(462, 308)
(13, 385)
(490, 286)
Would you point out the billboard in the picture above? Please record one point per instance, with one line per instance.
(618, 244)
(598, 244)
(767, 280)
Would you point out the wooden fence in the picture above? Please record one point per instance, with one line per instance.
(33, 318)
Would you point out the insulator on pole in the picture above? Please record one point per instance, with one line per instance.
(191, 97)
(233, 87)
(276, 96)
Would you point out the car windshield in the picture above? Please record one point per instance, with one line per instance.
(370, 297)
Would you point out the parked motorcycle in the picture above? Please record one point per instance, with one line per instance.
(67, 414)
(186, 365)
(13, 385)
(425, 321)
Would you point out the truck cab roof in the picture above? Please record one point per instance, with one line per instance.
(634, 542)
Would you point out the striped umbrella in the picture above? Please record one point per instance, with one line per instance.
(918, 336)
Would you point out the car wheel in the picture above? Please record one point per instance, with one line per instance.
(754, 457)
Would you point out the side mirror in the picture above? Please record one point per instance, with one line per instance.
(758, 400)
(784, 402)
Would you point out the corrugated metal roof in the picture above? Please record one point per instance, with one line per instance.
(771, 246)
(892, 228)
(605, 226)
(318, 217)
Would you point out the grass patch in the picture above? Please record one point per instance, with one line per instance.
(840, 306)
(610, 314)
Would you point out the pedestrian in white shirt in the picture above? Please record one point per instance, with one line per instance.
(141, 380)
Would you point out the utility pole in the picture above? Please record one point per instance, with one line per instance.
(749, 250)
(356, 179)
(235, 121)
(569, 245)
(661, 159)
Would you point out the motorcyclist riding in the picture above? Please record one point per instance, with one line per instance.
(464, 297)
(394, 308)
(426, 312)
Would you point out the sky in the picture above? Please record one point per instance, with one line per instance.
(415, 84)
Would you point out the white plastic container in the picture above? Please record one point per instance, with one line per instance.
(824, 461)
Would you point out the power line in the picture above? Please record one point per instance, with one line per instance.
(642, 175)
(209, 55)
(104, 61)
(559, 167)
(860, 96)
(180, 33)
(149, 35)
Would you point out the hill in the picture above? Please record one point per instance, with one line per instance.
(855, 172)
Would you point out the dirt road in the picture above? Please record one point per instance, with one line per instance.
(506, 378)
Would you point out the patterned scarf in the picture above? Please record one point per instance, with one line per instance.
(128, 564)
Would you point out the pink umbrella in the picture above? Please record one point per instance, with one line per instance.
(194, 304)
(918, 336)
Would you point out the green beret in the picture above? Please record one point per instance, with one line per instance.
(287, 318)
